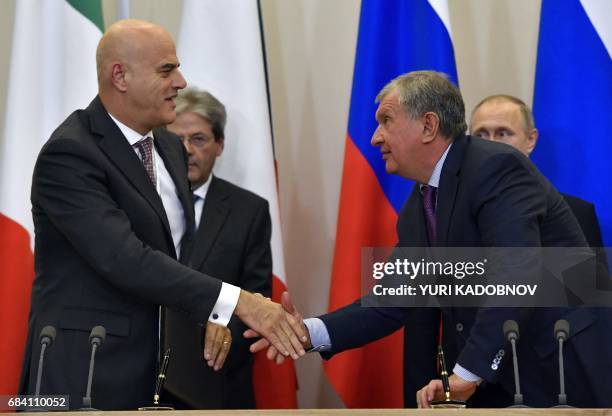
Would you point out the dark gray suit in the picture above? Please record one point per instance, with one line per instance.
(105, 256)
(232, 243)
(490, 195)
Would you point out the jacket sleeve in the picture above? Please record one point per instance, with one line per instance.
(71, 186)
(256, 275)
(509, 202)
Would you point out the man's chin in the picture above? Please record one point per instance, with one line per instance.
(391, 168)
(194, 174)
(169, 117)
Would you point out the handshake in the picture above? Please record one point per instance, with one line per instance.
(280, 328)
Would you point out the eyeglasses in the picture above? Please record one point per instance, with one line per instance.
(197, 140)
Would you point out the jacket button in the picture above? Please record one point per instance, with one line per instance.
(459, 327)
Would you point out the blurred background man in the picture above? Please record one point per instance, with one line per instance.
(509, 120)
(232, 243)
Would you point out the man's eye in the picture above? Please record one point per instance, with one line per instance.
(504, 133)
(198, 140)
(482, 134)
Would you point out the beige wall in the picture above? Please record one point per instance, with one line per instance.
(310, 50)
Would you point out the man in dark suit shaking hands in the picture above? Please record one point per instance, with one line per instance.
(113, 214)
(232, 243)
(471, 193)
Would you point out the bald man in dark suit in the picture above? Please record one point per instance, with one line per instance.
(113, 215)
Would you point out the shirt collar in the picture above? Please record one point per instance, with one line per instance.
(130, 134)
(202, 190)
(434, 180)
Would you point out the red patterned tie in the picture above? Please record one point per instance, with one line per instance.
(429, 206)
(145, 150)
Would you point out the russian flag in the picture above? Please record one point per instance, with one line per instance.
(395, 36)
(573, 101)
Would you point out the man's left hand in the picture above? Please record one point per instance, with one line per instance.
(460, 390)
(217, 343)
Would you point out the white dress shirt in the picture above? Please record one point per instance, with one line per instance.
(228, 297)
(199, 198)
(165, 186)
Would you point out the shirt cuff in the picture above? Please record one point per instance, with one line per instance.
(226, 303)
(319, 336)
(466, 375)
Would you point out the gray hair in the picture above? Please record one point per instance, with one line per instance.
(526, 114)
(206, 105)
(420, 92)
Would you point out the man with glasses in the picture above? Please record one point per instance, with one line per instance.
(232, 243)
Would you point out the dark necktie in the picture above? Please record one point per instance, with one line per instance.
(145, 150)
(197, 198)
(429, 207)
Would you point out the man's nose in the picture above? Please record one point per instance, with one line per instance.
(376, 138)
(187, 145)
(179, 80)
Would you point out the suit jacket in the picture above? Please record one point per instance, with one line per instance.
(584, 212)
(104, 255)
(489, 195)
(233, 244)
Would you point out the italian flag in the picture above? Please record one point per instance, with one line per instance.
(52, 73)
(221, 50)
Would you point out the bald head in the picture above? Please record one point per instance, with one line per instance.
(138, 75)
(126, 41)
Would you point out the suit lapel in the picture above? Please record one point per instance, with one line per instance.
(412, 231)
(214, 214)
(119, 151)
(175, 163)
(449, 183)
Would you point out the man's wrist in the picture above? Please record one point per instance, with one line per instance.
(240, 305)
(225, 306)
(466, 375)
(318, 336)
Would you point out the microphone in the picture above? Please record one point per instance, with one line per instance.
(96, 339)
(47, 336)
(511, 332)
(562, 332)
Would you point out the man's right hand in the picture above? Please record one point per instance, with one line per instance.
(263, 343)
(268, 319)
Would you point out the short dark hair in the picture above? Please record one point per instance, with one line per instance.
(526, 114)
(420, 92)
(206, 105)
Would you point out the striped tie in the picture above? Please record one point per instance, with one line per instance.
(145, 150)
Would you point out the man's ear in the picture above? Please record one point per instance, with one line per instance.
(119, 77)
(532, 140)
(221, 147)
(431, 125)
